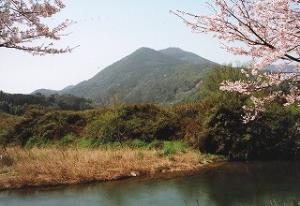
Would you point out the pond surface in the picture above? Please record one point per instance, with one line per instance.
(227, 185)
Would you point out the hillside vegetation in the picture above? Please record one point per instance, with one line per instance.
(211, 121)
(18, 104)
(145, 76)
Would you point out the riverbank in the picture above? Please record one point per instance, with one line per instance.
(21, 168)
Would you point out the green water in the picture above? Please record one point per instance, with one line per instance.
(228, 185)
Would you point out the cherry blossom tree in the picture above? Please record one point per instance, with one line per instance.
(23, 26)
(264, 88)
(266, 30)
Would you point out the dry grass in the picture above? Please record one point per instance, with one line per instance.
(7, 121)
(45, 167)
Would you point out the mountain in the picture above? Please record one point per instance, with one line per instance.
(67, 89)
(185, 56)
(49, 92)
(146, 75)
(18, 104)
(285, 68)
(45, 92)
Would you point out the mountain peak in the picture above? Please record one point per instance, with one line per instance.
(143, 52)
(146, 75)
(173, 49)
(189, 57)
(144, 49)
(147, 56)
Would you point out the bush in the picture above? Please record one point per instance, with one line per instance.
(37, 142)
(168, 149)
(274, 135)
(3, 137)
(190, 119)
(67, 140)
(137, 143)
(155, 144)
(52, 126)
(85, 143)
(105, 128)
(147, 122)
(171, 148)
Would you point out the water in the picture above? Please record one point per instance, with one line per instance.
(227, 185)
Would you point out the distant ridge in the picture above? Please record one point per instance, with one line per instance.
(49, 92)
(146, 75)
(185, 56)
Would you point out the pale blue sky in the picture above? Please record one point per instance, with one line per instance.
(106, 31)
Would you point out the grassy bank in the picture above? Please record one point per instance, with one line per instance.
(21, 168)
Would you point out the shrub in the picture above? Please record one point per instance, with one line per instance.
(274, 135)
(148, 122)
(168, 149)
(85, 143)
(115, 145)
(3, 137)
(37, 142)
(155, 144)
(171, 148)
(105, 128)
(137, 143)
(50, 126)
(67, 140)
(224, 128)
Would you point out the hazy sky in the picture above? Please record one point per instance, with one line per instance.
(106, 31)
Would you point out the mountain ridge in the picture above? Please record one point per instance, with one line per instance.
(146, 75)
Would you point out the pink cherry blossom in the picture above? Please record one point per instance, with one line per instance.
(267, 30)
(22, 24)
(257, 84)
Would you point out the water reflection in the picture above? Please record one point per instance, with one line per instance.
(228, 185)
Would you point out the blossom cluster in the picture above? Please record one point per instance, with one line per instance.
(22, 22)
(264, 88)
(267, 30)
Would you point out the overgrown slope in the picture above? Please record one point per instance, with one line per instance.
(145, 76)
